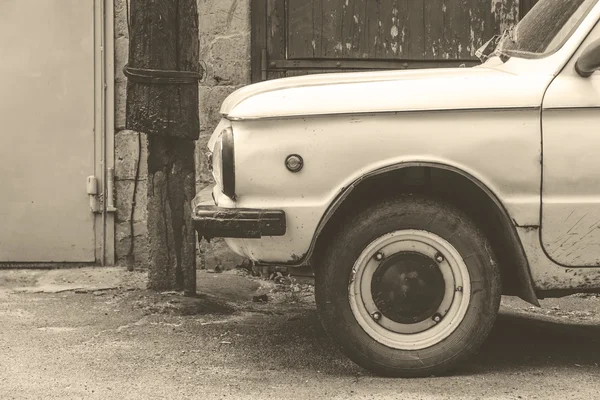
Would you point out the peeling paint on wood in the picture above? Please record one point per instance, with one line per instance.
(393, 29)
(387, 34)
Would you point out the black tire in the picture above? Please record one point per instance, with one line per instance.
(334, 267)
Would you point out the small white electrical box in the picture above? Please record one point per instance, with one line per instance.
(92, 185)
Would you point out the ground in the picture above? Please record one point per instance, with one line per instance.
(97, 333)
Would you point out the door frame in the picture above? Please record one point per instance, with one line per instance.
(104, 149)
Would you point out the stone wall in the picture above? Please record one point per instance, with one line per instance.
(225, 53)
(225, 50)
(127, 152)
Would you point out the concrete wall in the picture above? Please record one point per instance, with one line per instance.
(225, 52)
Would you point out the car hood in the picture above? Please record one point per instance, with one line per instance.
(389, 91)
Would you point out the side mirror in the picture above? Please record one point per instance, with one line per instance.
(589, 61)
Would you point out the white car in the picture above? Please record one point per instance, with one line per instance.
(420, 197)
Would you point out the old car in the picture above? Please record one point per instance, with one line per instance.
(419, 197)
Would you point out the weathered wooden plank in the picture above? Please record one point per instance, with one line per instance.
(300, 28)
(348, 38)
(385, 25)
(401, 34)
(383, 29)
(354, 41)
(368, 37)
(496, 17)
(456, 29)
(276, 29)
(414, 35)
(450, 14)
(317, 28)
(258, 10)
(463, 29)
(392, 23)
(374, 29)
(434, 28)
(413, 32)
(480, 25)
(330, 32)
(363, 44)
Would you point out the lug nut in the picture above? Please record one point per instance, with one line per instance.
(379, 256)
(437, 318)
(376, 316)
(439, 258)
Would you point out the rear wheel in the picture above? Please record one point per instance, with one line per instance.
(409, 287)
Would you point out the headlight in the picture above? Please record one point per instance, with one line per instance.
(215, 163)
(223, 163)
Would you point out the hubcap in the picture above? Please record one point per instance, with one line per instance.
(409, 289)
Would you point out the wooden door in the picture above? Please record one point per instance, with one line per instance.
(294, 37)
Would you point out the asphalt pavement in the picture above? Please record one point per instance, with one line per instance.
(99, 334)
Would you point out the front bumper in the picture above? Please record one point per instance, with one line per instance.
(211, 221)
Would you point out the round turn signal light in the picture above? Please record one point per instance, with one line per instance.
(294, 163)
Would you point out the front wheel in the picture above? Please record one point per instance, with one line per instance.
(409, 287)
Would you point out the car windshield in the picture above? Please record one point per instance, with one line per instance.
(544, 29)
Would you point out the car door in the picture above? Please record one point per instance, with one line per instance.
(570, 231)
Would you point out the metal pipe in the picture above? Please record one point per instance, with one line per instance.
(110, 191)
(102, 20)
(108, 118)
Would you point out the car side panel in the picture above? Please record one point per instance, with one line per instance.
(500, 148)
(571, 177)
(551, 279)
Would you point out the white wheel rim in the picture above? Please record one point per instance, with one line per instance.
(425, 333)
